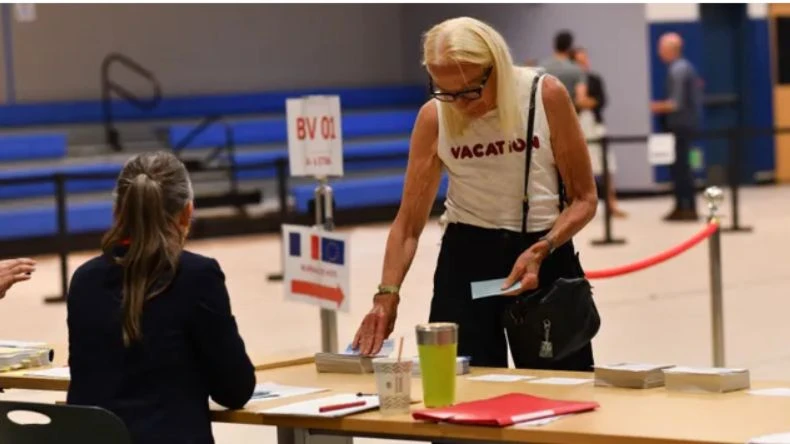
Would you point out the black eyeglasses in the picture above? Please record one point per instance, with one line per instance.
(469, 93)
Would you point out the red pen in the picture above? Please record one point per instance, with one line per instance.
(347, 405)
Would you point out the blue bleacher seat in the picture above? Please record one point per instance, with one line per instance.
(47, 187)
(274, 130)
(197, 107)
(42, 220)
(16, 147)
(360, 192)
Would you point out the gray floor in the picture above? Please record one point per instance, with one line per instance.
(661, 314)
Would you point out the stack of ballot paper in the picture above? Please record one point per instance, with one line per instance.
(628, 375)
(706, 379)
(349, 361)
(16, 355)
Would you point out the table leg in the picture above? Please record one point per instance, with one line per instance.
(287, 435)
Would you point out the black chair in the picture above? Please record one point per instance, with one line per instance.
(64, 424)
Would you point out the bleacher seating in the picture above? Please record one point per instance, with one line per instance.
(23, 147)
(375, 123)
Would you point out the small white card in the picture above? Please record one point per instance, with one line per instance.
(778, 391)
(491, 287)
(561, 381)
(56, 372)
(499, 378)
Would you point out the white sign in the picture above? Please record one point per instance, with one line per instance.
(661, 149)
(316, 267)
(315, 140)
(25, 12)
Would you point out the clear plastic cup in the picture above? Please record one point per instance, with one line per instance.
(393, 379)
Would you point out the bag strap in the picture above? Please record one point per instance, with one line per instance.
(530, 130)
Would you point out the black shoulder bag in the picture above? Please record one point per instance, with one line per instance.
(559, 318)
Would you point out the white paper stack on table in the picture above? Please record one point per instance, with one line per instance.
(268, 391)
(630, 375)
(16, 355)
(54, 373)
(706, 379)
(349, 361)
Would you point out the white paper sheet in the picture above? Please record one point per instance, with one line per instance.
(779, 391)
(311, 407)
(705, 370)
(272, 390)
(499, 378)
(55, 372)
(776, 438)
(540, 422)
(561, 381)
(628, 367)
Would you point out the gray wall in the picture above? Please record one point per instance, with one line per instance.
(197, 49)
(208, 48)
(621, 58)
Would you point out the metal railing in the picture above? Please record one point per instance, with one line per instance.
(108, 86)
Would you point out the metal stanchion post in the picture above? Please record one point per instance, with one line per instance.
(324, 218)
(714, 197)
(282, 194)
(63, 252)
(734, 180)
(607, 219)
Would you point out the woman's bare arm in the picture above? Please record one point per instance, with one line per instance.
(423, 175)
(573, 161)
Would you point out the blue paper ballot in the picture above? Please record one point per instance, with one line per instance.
(386, 349)
(491, 287)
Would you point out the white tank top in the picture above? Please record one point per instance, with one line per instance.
(486, 171)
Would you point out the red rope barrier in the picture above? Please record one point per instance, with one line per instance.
(709, 229)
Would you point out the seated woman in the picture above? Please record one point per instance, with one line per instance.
(151, 332)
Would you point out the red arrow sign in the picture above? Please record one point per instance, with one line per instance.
(334, 294)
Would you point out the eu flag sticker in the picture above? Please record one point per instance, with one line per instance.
(333, 251)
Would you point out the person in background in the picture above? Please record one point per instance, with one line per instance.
(561, 66)
(13, 271)
(591, 120)
(682, 110)
(474, 127)
(151, 332)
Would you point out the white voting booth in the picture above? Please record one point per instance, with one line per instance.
(316, 261)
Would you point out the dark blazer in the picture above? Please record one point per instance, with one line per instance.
(190, 350)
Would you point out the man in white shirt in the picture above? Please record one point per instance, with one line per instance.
(13, 271)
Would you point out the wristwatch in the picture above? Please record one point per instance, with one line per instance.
(389, 289)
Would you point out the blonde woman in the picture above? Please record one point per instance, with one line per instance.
(475, 127)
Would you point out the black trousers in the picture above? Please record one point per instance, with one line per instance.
(471, 254)
(682, 176)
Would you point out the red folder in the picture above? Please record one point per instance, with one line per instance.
(503, 411)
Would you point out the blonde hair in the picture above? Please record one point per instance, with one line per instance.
(468, 40)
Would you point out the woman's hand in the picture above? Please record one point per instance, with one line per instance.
(377, 324)
(527, 268)
(13, 271)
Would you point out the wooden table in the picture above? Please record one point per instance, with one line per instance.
(19, 379)
(626, 416)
